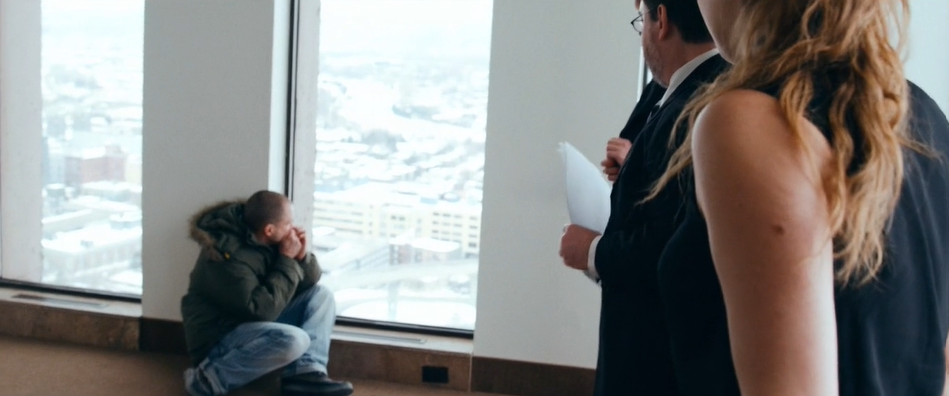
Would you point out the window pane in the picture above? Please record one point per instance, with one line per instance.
(92, 134)
(403, 93)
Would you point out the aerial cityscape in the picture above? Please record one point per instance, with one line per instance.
(92, 135)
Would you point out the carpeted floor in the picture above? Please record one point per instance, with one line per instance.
(29, 367)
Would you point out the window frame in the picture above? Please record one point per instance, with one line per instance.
(26, 22)
(302, 126)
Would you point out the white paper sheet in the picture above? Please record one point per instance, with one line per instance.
(588, 192)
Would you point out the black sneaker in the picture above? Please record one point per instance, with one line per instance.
(314, 384)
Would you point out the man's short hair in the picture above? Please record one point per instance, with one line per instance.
(685, 16)
(263, 208)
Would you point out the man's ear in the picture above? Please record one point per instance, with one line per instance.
(662, 22)
(269, 229)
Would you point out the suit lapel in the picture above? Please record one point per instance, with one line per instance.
(701, 75)
(651, 95)
(698, 77)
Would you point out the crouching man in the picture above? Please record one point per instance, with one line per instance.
(253, 304)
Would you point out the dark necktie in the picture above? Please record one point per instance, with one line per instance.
(653, 112)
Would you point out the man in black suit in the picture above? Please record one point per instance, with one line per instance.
(634, 353)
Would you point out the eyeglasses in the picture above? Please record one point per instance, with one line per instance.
(638, 22)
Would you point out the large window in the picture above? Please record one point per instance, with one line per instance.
(91, 82)
(403, 92)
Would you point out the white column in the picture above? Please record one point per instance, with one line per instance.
(560, 70)
(212, 125)
(21, 140)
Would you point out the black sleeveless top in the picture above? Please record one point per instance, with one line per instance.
(891, 333)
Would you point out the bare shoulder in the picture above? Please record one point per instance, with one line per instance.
(738, 116)
(751, 125)
(741, 101)
(743, 144)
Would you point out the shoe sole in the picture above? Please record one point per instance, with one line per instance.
(294, 391)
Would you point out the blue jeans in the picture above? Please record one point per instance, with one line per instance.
(298, 341)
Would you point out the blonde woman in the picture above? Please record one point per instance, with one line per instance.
(813, 258)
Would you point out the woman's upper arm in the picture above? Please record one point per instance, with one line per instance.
(769, 234)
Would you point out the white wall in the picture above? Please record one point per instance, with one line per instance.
(208, 125)
(21, 137)
(928, 62)
(560, 70)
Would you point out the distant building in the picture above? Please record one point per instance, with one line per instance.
(54, 200)
(84, 211)
(96, 164)
(346, 252)
(133, 169)
(429, 250)
(388, 211)
(103, 247)
(54, 162)
(114, 191)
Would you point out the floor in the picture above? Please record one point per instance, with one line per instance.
(30, 367)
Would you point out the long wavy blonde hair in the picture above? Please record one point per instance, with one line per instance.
(788, 44)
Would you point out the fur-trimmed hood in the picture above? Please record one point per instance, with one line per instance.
(220, 228)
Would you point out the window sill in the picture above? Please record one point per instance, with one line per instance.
(70, 319)
(68, 302)
(131, 310)
(399, 339)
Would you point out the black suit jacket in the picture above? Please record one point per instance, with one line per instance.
(650, 96)
(634, 353)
